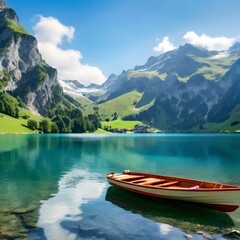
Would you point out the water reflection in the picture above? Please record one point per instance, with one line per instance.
(103, 220)
(128, 216)
(188, 217)
(34, 167)
(76, 188)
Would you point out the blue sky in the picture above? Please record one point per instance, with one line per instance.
(113, 35)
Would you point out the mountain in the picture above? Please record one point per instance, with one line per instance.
(181, 90)
(27, 81)
(236, 46)
(187, 89)
(181, 61)
(230, 95)
(93, 92)
(22, 69)
(78, 91)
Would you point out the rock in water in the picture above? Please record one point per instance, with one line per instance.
(188, 236)
(234, 234)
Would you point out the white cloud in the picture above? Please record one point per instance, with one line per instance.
(76, 188)
(209, 43)
(50, 34)
(164, 46)
(49, 29)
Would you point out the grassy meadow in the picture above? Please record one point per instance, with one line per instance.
(120, 124)
(13, 125)
(17, 125)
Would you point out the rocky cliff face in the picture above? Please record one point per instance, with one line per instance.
(230, 94)
(23, 72)
(3, 5)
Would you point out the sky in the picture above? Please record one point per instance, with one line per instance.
(87, 40)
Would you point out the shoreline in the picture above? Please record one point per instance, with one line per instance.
(22, 133)
(132, 133)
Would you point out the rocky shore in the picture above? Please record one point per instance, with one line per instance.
(16, 223)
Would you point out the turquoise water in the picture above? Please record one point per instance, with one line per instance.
(53, 186)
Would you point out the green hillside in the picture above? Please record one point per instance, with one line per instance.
(14, 116)
(116, 108)
(215, 67)
(123, 105)
(13, 125)
(119, 124)
(101, 131)
(145, 74)
(86, 105)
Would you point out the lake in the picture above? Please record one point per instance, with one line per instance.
(54, 186)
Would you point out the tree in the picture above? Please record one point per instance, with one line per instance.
(25, 116)
(76, 126)
(79, 125)
(46, 126)
(60, 123)
(54, 128)
(115, 116)
(95, 123)
(68, 124)
(16, 112)
(2, 107)
(76, 113)
(32, 124)
(9, 108)
(21, 103)
(90, 126)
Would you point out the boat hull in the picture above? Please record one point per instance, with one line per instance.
(226, 201)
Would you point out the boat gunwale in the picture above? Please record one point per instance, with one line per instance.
(229, 187)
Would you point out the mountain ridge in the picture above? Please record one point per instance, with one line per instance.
(177, 91)
(187, 86)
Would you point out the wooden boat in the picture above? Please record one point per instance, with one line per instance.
(219, 196)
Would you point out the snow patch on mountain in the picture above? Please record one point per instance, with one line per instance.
(75, 89)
